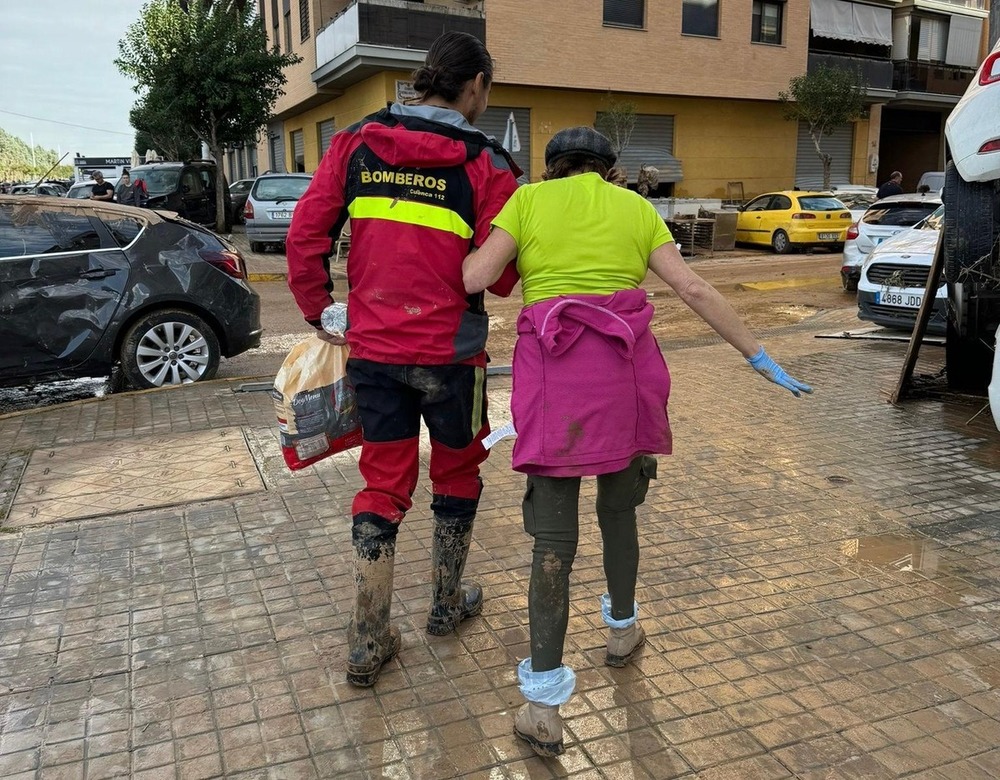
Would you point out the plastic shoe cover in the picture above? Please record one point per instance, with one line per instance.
(552, 687)
(610, 621)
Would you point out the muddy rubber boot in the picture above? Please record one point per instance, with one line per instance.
(623, 644)
(372, 641)
(452, 600)
(541, 727)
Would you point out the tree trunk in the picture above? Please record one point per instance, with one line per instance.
(221, 191)
(827, 165)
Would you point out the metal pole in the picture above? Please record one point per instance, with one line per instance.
(994, 22)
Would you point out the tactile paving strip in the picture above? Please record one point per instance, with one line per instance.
(123, 475)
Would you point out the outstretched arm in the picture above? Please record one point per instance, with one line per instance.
(483, 266)
(709, 304)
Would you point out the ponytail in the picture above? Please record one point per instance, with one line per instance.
(453, 59)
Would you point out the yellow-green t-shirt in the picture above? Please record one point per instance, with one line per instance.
(580, 235)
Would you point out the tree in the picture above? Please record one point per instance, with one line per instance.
(617, 122)
(824, 99)
(19, 161)
(156, 128)
(205, 67)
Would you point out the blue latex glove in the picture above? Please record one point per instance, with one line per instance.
(764, 365)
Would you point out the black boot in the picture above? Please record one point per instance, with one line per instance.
(371, 640)
(452, 600)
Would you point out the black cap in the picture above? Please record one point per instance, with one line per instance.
(580, 140)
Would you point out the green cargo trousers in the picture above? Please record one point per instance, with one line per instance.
(552, 517)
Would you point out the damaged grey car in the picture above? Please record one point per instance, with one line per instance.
(88, 286)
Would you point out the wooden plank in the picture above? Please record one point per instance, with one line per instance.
(920, 327)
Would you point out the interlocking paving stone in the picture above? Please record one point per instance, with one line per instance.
(818, 584)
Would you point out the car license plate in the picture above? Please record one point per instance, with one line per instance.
(906, 300)
(281, 215)
(828, 236)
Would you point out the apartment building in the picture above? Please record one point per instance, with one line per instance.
(703, 76)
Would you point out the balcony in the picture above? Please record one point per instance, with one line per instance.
(371, 36)
(876, 73)
(974, 5)
(931, 79)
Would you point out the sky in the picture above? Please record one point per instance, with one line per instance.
(57, 63)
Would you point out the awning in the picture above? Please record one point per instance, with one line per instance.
(964, 34)
(668, 165)
(848, 21)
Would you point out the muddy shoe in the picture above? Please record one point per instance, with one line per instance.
(623, 643)
(444, 618)
(363, 667)
(541, 727)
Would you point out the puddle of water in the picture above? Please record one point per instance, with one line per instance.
(898, 552)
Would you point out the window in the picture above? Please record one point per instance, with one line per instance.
(303, 19)
(627, 13)
(24, 232)
(190, 183)
(931, 38)
(766, 26)
(275, 38)
(700, 17)
(759, 204)
(123, 229)
(287, 9)
(298, 151)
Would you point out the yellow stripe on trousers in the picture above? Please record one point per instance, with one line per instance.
(411, 213)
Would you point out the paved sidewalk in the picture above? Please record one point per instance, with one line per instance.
(819, 583)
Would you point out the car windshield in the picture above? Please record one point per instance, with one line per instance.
(241, 186)
(280, 188)
(898, 214)
(159, 181)
(856, 200)
(820, 203)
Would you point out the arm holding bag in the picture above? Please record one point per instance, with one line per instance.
(317, 411)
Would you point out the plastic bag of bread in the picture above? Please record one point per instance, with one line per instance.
(317, 411)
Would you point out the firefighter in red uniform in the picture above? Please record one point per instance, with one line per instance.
(421, 186)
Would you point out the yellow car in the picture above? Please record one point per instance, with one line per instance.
(786, 220)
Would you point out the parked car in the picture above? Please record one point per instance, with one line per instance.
(880, 221)
(84, 189)
(933, 181)
(187, 188)
(790, 219)
(238, 192)
(894, 278)
(88, 284)
(270, 205)
(972, 229)
(857, 200)
(44, 189)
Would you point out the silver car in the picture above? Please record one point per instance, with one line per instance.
(270, 205)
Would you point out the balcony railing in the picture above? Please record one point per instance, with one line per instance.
(390, 30)
(876, 73)
(910, 76)
(976, 5)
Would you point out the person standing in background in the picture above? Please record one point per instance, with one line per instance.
(892, 187)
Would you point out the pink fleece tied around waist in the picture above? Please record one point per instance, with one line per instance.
(590, 385)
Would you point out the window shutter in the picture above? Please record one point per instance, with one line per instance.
(626, 12)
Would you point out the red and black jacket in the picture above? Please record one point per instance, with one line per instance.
(420, 195)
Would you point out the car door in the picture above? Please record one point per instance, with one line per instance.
(777, 217)
(62, 279)
(194, 198)
(749, 223)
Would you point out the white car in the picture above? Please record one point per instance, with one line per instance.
(894, 277)
(879, 222)
(972, 129)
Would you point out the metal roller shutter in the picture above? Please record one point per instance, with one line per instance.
(653, 132)
(277, 147)
(809, 168)
(299, 150)
(494, 122)
(325, 135)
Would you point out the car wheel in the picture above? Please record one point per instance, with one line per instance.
(256, 246)
(169, 347)
(780, 242)
(850, 285)
(971, 223)
(836, 247)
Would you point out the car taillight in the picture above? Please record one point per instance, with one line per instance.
(990, 146)
(990, 74)
(802, 215)
(248, 210)
(229, 263)
(852, 232)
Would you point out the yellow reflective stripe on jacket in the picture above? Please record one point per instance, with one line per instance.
(411, 213)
